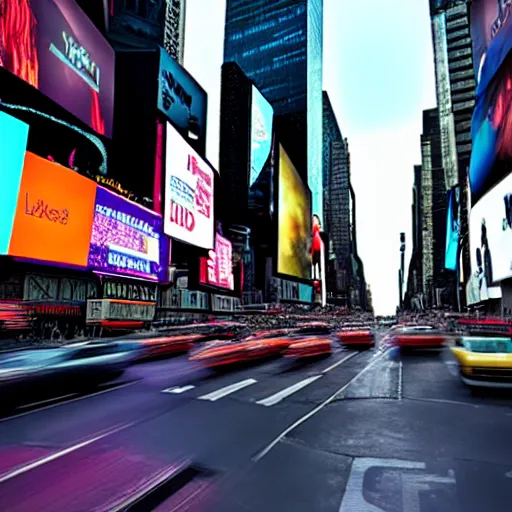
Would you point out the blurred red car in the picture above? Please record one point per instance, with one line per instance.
(417, 336)
(262, 345)
(309, 347)
(167, 345)
(356, 338)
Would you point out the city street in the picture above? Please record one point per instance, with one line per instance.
(357, 431)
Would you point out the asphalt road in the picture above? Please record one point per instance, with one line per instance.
(357, 431)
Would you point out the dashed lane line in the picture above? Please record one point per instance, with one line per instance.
(228, 390)
(284, 393)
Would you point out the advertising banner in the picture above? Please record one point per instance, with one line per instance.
(54, 214)
(262, 115)
(294, 221)
(52, 45)
(183, 101)
(452, 229)
(188, 213)
(125, 237)
(217, 269)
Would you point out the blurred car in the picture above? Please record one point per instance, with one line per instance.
(161, 346)
(72, 367)
(484, 361)
(415, 336)
(313, 346)
(261, 345)
(356, 337)
(312, 328)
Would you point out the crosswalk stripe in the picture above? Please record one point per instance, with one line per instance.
(281, 395)
(178, 390)
(232, 388)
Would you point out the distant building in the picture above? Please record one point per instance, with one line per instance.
(336, 201)
(427, 278)
(278, 44)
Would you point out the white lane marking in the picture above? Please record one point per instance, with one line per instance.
(57, 455)
(311, 413)
(178, 390)
(400, 381)
(281, 395)
(232, 388)
(33, 404)
(335, 365)
(16, 416)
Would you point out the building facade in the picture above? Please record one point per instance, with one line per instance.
(455, 87)
(336, 200)
(278, 44)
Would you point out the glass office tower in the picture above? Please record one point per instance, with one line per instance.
(278, 44)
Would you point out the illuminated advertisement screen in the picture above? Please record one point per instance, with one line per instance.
(452, 229)
(491, 36)
(52, 45)
(13, 144)
(125, 237)
(262, 115)
(294, 221)
(54, 214)
(217, 269)
(188, 212)
(491, 128)
(183, 101)
(491, 234)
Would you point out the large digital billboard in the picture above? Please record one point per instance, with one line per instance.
(125, 238)
(217, 269)
(183, 101)
(52, 45)
(54, 214)
(188, 212)
(491, 29)
(262, 115)
(13, 145)
(452, 229)
(491, 233)
(294, 221)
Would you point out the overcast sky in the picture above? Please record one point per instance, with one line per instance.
(379, 73)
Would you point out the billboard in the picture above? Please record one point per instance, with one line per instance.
(125, 238)
(491, 233)
(188, 212)
(52, 45)
(491, 29)
(13, 145)
(294, 221)
(54, 214)
(183, 101)
(262, 115)
(217, 269)
(452, 229)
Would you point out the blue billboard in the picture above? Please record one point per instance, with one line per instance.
(13, 145)
(183, 101)
(452, 229)
(262, 115)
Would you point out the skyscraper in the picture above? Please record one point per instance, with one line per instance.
(278, 44)
(455, 83)
(455, 86)
(336, 199)
(433, 208)
(174, 28)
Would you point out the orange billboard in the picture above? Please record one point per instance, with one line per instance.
(54, 215)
